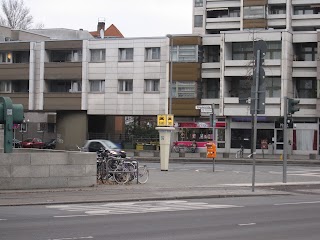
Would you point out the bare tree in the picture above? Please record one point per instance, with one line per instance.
(16, 14)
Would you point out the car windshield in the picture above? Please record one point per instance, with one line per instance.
(110, 144)
(28, 140)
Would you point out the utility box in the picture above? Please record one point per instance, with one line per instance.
(211, 150)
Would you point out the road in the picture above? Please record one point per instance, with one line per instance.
(292, 217)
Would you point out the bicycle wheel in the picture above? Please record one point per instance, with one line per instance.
(131, 169)
(121, 175)
(102, 172)
(143, 174)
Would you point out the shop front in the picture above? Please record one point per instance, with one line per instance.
(199, 133)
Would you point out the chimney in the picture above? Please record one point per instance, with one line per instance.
(101, 24)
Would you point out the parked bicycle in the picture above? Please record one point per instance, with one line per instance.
(113, 168)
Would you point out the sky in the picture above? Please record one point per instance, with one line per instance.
(134, 18)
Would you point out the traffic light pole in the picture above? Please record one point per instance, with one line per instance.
(285, 140)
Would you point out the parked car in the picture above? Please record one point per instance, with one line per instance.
(32, 143)
(51, 144)
(94, 145)
(16, 143)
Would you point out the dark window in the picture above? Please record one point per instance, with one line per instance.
(305, 51)
(242, 51)
(306, 87)
(211, 88)
(21, 57)
(211, 53)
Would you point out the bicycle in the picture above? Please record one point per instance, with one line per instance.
(140, 173)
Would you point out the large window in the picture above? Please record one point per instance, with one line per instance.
(306, 87)
(211, 53)
(125, 85)
(97, 55)
(126, 54)
(198, 21)
(273, 50)
(223, 12)
(97, 86)
(198, 3)
(65, 56)
(184, 89)
(15, 86)
(305, 10)
(5, 57)
(211, 88)
(277, 9)
(305, 51)
(185, 53)
(64, 86)
(152, 85)
(240, 87)
(273, 87)
(152, 54)
(254, 12)
(242, 51)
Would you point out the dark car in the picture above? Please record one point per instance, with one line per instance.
(32, 143)
(16, 143)
(51, 144)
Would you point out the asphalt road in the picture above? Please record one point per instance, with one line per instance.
(283, 217)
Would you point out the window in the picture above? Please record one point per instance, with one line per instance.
(41, 127)
(5, 57)
(223, 12)
(51, 127)
(184, 89)
(306, 87)
(21, 57)
(242, 51)
(152, 54)
(198, 21)
(23, 127)
(240, 87)
(277, 9)
(97, 85)
(5, 86)
(125, 54)
(66, 56)
(126, 85)
(185, 53)
(273, 87)
(64, 86)
(273, 50)
(254, 12)
(305, 10)
(198, 3)
(152, 85)
(305, 51)
(211, 53)
(212, 89)
(97, 55)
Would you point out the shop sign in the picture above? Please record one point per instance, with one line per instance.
(200, 125)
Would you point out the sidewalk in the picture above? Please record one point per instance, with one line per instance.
(162, 185)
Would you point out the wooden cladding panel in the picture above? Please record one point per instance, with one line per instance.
(62, 101)
(60, 45)
(14, 71)
(195, 40)
(64, 71)
(186, 72)
(247, 3)
(255, 23)
(185, 107)
(14, 46)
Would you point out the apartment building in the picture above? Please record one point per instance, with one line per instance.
(71, 87)
(229, 29)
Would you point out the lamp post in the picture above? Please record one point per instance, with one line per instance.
(170, 75)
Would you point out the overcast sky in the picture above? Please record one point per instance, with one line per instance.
(134, 18)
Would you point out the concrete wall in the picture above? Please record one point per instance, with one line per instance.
(35, 169)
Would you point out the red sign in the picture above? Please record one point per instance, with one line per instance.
(200, 125)
(264, 144)
(16, 126)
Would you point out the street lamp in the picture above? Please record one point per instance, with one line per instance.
(170, 76)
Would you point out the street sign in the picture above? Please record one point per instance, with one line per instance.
(206, 110)
(198, 107)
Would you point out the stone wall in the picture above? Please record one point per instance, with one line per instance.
(35, 169)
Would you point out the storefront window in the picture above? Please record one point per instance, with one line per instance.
(242, 137)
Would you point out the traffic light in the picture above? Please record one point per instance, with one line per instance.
(293, 105)
(16, 112)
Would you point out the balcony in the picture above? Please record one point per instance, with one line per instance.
(62, 70)
(14, 71)
(62, 101)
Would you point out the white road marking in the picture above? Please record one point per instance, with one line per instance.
(71, 238)
(136, 207)
(246, 224)
(295, 203)
(3, 219)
